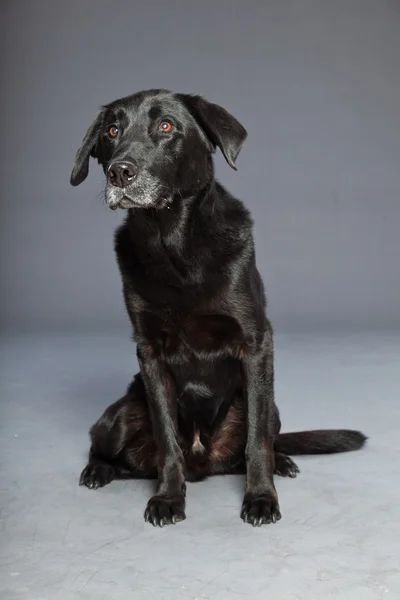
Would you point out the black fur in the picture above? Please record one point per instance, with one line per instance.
(203, 402)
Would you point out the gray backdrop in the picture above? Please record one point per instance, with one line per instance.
(317, 85)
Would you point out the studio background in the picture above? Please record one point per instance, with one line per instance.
(317, 85)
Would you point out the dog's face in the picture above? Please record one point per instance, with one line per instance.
(155, 147)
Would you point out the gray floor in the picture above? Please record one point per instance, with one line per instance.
(340, 533)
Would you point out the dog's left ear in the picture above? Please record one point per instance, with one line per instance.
(220, 127)
(87, 149)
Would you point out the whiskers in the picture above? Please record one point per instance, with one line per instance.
(101, 196)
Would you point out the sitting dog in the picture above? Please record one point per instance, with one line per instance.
(203, 401)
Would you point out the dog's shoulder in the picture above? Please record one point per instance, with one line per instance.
(236, 216)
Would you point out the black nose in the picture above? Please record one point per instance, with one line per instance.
(122, 173)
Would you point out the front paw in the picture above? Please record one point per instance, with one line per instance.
(260, 509)
(165, 510)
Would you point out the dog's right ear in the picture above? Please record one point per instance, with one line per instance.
(87, 149)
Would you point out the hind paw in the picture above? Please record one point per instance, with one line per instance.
(96, 475)
(285, 466)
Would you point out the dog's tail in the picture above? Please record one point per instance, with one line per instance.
(323, 441)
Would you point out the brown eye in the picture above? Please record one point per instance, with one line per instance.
(166, 127)
(113, 131)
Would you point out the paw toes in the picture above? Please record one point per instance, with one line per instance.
(95, 476)
(260, 510)
(286, 467)
(164, 510)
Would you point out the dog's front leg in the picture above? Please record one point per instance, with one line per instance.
(260, 504)
(168, 505)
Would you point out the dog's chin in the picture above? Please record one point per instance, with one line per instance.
(120, 198)
(124, 202)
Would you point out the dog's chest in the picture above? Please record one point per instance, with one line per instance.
(181, 337)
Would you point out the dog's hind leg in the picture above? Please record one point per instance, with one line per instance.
(122, 443)
(227, 447)
(284, 467)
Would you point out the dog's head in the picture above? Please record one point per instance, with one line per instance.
(156, 146)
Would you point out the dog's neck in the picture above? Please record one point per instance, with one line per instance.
(174, 223)
(169, 238)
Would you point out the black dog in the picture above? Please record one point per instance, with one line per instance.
(203, 402)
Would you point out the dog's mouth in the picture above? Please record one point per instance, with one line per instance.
(125, 202)
(124, 199)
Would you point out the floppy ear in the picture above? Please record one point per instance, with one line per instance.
(87, 149)
(221, 128)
